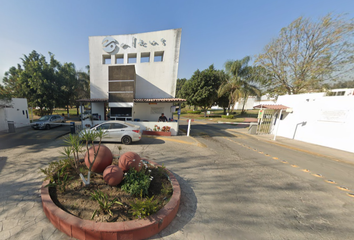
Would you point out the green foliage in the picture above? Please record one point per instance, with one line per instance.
(227, 116)
(136, 182)
(54, 168)
(162, 170)
(62, 180)
(201, 89)
(104, 202)
(72, 151)
(194, 112)
(45, 84)
(166, 189)
(141, 208)
(237, 84)
(307, 53)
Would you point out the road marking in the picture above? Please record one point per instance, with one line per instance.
(343, 188)
(350, 194)
(284, 162)
(294, 166)
(317, 175)
(331, 181)
(305, 170)
(275, 158)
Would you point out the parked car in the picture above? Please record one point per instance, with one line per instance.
(118, 131)
(48, 121)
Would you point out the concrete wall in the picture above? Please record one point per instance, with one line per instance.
(18, 113)
(152, 112)
(153, 79)
(319, 119)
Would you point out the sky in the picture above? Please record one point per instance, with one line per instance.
(212, 31)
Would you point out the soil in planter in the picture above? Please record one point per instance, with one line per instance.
(76, 199)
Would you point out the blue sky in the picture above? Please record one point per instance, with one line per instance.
(212, 31)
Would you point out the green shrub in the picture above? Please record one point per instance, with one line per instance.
(194, 112)
(142, 208)
(227, 117)
(38, 112)
(104, 202)
(135, 182)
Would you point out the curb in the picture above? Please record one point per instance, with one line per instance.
(134, 229)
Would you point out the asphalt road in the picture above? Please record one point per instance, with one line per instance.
(27, 136)
(233, 187)
(265, 191)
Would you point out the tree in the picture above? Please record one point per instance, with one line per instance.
(68, 84)
(180, 83)
(239, 77)
(82, 87)
(307, 53)
(11, 87)
(45, 84)
(201, 89)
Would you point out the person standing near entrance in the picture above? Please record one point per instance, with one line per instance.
(162, 118)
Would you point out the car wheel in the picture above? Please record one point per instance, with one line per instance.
(126, 140)
(47, 127)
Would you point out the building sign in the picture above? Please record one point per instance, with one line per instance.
(109, 44)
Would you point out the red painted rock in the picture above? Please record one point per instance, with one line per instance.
(130, 160)
(113, 175)
(103, 159)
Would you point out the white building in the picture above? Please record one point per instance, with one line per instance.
(15, 111)
(134, 75)
(319, 118)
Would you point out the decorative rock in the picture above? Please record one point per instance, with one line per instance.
(130, 160)
(103, 159)
(113, 175)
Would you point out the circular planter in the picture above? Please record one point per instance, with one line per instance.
(135, 229)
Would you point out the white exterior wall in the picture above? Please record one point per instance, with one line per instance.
(98, 107)
(249, 103)
(152, 112)
(329, 120)
(16, 113)
(153, 79)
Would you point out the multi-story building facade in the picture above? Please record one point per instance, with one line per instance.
(134, 75)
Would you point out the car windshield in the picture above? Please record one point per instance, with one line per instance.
(44, 118)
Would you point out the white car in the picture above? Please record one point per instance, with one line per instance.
(118, 131)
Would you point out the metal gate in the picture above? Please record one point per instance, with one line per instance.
(265, 120)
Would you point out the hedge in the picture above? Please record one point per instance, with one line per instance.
(194, 112)
(227, 116)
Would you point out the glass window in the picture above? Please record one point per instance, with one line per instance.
(120, 59)
(132, 58)
(104, 126)
(145, 57)
(106, 59)
(117, 126)
(158, 56)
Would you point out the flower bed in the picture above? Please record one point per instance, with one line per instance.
(134, 229)
(156, 133)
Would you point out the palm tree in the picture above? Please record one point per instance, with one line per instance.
(83, 86)
(239, 77)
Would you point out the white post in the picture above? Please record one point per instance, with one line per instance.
(278, 122)
(189, 127)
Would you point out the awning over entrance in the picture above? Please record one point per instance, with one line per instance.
(271, 106)
(149, 100)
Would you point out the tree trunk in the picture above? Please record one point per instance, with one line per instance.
(224, 108)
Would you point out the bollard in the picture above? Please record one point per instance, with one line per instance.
(72, 127)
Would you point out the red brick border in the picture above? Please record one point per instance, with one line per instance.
(135, 229)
